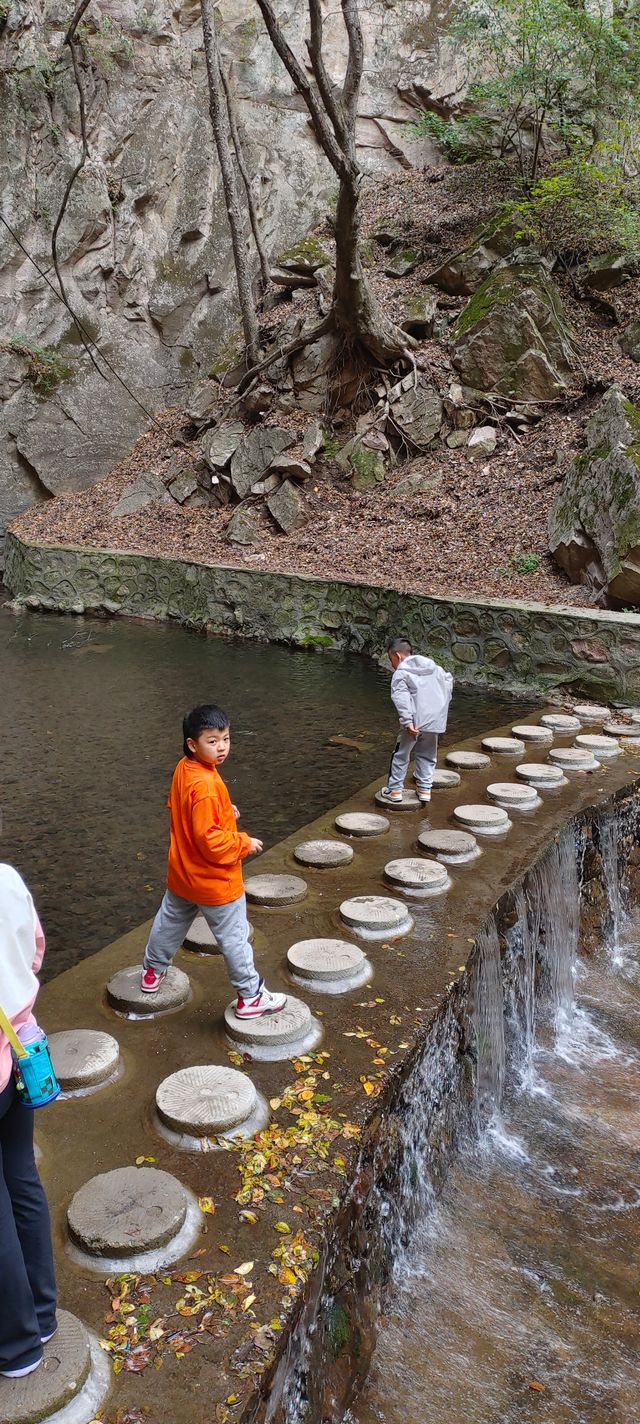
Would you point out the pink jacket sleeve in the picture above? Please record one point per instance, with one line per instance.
(26, 1015)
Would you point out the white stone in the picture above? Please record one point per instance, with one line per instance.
(451, 847)
(541, 774)
(412, 873)
(483, 820)
(560, 722)
(361, 823)
(124, 992)
(320, 960)
(573, 759)
(622, 729)
(471, 761)
(376, 914)
(409, 801)
(202, 940)
(483, 440)
(290, 1026)
(532, 732)
(508, 746)
(510, 793)
(599, 746)
(83, 1057)
(591, 712)
(205, 1100)
(445, 779)
(323, 853)
(275, 889)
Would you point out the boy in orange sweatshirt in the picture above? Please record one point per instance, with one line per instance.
(206, 852)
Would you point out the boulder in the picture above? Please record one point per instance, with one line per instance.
(594, 530)
(419, 315)
(184, 485)
(291, 468)
(288, 507)
(253, 456)
(609, 270)
(416, 415)
(314, 440)
(243, 527)
(462, 275)
(219, 444)
(404, 261)
(483, 440)
(267, 485)
(513, 338)
(630, 341)
(145, 490)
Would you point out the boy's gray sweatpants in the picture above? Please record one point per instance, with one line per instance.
(425, 746)
(227, 922)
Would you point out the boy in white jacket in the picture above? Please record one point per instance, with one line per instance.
(421, 693)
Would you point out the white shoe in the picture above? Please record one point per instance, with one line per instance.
(24, 1370)
(264, 1003)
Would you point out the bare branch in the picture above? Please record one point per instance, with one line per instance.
(355, 63)
(325, 86)
(305, 88)
(70, 33)
(244, 172)
(306, 339)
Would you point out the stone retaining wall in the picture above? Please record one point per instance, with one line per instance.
(520, 647)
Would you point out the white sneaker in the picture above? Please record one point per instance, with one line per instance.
(391, 795)
(264, 1003)
(24, 1370)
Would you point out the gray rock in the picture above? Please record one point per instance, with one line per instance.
(609, 271)
(414, 483)
(67, 1361)
(483, 440)
(594, 530)
(253, 456)
(275, 889)
(83, 1057)
(294, 281)
(291, 468)
(202, 402)
(513, 338)
(243, 527)
(630, 340)
(145, 490)
(313, 441)
(416, 415)
(184, 485)
(458, 439)
(219, 444)
(125, 1211)
(204, 1100)
(403, 262)
(288, 507)
(267, 485)
(281, 1031)
(463, 274)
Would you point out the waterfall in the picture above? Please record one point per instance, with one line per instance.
(488, 1023)
(608, 831)
(554, 896)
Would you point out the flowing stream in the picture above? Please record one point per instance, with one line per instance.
(516, 1296)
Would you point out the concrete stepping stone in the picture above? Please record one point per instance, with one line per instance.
(409, 801)
(428, 877)
(323, 853)
(361, 823)
(83, 1058)
(205, 1100)
(450, 847)
(592, 712)
(67, 1362)
(598, 746)
(512, 796)
(532, 732)
(125, 995)
(201, 940)
(126, 1212)
(541, 774)
(483, 820)
(330, 966)
(506, 746)
(376, 916)
(631, 730)
(445, 779)
(469, 761)
(632, 712)
(573, 759)
(561, 722)
(274, 1036)
(275, 889)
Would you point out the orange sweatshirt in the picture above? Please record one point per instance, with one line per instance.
(206, 849)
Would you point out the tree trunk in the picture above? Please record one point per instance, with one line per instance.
(244, 173)
(222, 139)
(357, 315)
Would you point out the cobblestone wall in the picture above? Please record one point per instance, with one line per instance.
(519, 647)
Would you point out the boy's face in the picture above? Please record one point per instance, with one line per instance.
(212, 746)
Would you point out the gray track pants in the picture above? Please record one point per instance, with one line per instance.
(227, 922)
(425, 746)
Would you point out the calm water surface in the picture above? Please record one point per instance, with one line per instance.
(90, 733)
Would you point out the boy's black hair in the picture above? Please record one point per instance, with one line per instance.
(400, 645)
(200, 720)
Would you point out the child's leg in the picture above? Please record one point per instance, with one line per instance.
(28, 1297)
(229, 925)
(400, 759)
(168, 931)
(426, 757)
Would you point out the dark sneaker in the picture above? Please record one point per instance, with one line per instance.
(151, 980)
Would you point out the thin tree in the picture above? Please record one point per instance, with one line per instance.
(246, 178)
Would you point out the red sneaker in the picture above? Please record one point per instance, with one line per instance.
(151, 980)
(264, 1003)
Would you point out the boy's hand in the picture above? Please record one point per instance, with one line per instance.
(413, 731)
(235, 812)
(256, 846)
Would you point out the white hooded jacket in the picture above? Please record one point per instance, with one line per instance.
(421, 692)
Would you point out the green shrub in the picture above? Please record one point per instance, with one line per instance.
(587, 206)
(45, 367)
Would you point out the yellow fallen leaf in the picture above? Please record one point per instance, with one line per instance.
(534, 1384)
(245, 1269)
(156, 1330)
(306, 1095)
(368, 1087)
(282, 1226)
(275, 1103)
(231, 1399)
(226, 1249)
(207, 1205)
(246, 1304)
(140, 1160)
(249, 1216)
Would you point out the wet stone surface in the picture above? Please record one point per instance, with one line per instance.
(449, 846)
(469, 761)
(507, 746)
(275, 889)
(124, 992)
(375, 913)
(83, 1057)
(592, 712)
(361, 823)
(129, 1210)
(573, 759)
(622, 729)
(532, 732)
(409, 801)
(443, 779)
(325, 959)
(201, 940)
(511, 793)
(560, 722)
(205, 1099)
(58, 1381)
(323, 853)
(291, 1025)
(598, 746)
(483, 820)
(541, 774)
(413, 873)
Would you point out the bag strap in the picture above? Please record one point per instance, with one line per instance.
(8, 1029)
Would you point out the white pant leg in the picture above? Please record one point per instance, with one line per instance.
(400, 760)
(229, 925)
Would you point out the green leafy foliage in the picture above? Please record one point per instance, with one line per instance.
(45, 368)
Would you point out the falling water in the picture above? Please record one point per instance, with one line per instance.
(553, 893)
(488, 1022)
(608, 830)
(527, 930)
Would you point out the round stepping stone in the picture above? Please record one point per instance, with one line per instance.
(442, 779)
(598, 746)
(125, 995)
(507, 746)
(362, 823)
(592, 712)
(532, 732)
(275, 889)
(451, 847)
(323, 853)
(632, 712)
(201, 940)
(83, 1057)
(67, 1362)
(376, 915)
(541, 774)
(560, 722)
(275, 1035)
(470, 761)
(511, 794)
(622, 729)
(483, 820)
(203, 1101)
(409, 801)
(324, 962)
(127, 1211)
(573, 759)
(428, 876)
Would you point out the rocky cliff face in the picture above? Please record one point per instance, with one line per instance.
(144, 244)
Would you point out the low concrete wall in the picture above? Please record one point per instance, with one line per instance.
(520, 647)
